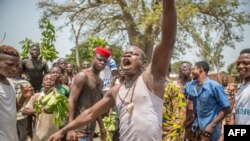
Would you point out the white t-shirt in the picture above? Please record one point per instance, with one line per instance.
(242, 107)
(8, 130)
(106, 76)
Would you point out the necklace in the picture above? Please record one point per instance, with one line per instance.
(130, 104)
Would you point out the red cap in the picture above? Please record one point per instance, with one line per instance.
(102, 51)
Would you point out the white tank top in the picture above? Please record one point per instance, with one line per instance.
(144, 123)
(8, 130)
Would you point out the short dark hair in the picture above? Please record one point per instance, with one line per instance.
(203, 65)
(247, 50)
(35, 46)
(8, 50)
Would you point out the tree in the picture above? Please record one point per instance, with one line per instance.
(48, 51)
(137, 22)
(85, 50)
(211, 51)
(77, 38)
(4, 35)
(232, 69)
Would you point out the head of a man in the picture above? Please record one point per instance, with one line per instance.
(62, 63)
(120, 72)
(133, 61)
(9, 61)
(200, 68)
(243, 63)
(224, 81)
(56, 72)
(185, 69)
(100, 59)
(34, 51)
(85, 64)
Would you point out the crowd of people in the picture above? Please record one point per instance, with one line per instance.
(139, 92)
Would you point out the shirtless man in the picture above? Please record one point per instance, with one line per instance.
(140, 98)
(185, 76)
(85, 92)
(34, 68)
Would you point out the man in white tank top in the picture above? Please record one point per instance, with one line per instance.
(9, 62)
(140, 98)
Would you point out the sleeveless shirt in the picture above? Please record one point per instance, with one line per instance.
(145, 121)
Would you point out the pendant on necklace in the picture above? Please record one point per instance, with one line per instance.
(130, 108)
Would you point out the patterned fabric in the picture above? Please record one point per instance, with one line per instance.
(173, 112)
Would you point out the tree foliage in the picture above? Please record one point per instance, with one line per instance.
(47, 48)
(86, 50)
(232, 69)
(137, 22)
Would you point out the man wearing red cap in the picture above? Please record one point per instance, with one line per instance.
(85, 92)
(109, 73)
(139, 99)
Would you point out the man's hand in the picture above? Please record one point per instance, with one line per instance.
(205, 138)
(103, 134)
(71, 135)
(56, 137)
(210, 128)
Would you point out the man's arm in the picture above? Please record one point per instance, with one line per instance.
(46, 68)
(163, 52)
(154, 76)
(222, 114)
(88, 115)
(222, 99)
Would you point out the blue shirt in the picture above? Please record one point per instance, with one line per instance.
(208, 102)
(112, 64)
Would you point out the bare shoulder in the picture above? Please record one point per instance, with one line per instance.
(80, 76)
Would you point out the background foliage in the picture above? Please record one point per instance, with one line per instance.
(47, 48)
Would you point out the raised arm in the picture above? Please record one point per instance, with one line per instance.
(163, 52)
(155, 74)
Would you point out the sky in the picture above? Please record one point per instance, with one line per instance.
(19, 20)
